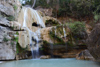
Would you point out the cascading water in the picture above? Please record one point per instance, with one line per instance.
(33, 36)
(34, 3)
(55, 31)
(64, 31)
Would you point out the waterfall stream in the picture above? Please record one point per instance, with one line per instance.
(34, 3)
(64, 31)
(33, 36)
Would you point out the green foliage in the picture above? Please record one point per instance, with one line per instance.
(17, 33)
(15, 39)
(69, 43)
(96, 17)
(19, 49)
(51, 23)
(45, 42)
(11, 18)
(75, 8)
(97, 13)
(5, 39)
(55, 37)
(15, 7)
(77, 27)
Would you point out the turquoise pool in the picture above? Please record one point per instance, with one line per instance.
(50, 63)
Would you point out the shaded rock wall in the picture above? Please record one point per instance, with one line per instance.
(93, 42)
(84, 55)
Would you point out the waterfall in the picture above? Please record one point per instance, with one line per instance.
(33, 35)
(55, 31)
(64, 31)
(34, 3)
(55, 34)
(51, 46)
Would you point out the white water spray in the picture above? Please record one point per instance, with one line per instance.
(64, 32)
(37, 34)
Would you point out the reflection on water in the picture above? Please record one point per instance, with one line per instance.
(51, 63)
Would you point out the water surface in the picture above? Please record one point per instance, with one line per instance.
(51, 63)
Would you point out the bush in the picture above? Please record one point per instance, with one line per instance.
(11, 18)
(77, 27)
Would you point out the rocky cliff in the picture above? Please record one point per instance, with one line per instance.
(8, 12)
(93, 42)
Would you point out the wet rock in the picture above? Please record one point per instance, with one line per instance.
(45, 57)
(84, 55)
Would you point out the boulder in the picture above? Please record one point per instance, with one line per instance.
(93, 42)
(45, 57)
(84, 55)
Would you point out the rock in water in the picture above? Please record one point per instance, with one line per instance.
(84, 55)
(45, 57)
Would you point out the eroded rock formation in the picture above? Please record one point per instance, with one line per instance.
(93, 42)
(8, 12)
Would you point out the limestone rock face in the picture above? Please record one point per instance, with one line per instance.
(93, 42)
(8, 9)
(49, 32)
(45, 34)
(7, 45)
(47, 12)
(4, 22)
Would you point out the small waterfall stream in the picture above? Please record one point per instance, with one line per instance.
(33, 35)
(34, 3)
(64, 31)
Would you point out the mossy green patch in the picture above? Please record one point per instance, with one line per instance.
(11, 18)
(15, 7)
(5, 39)
(51, 23)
